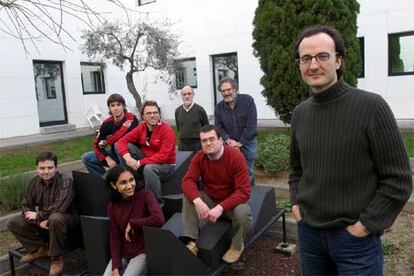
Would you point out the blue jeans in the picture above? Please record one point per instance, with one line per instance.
(338, 252)
(249, 151)
(93, 165)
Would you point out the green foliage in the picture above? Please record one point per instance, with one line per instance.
(388, 248)
(273, 154)
(12, 190)
(277, 24)
(285, 205)
(408, 138)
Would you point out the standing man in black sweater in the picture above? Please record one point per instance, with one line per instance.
(350, 171)
(189, 119)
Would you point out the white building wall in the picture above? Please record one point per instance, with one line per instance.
(376, 20)
(205, 28)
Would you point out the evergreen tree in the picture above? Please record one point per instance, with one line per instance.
(277, 24)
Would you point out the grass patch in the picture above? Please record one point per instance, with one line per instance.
(409, 142)
(23, 160)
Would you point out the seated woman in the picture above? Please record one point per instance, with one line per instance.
(128, 211)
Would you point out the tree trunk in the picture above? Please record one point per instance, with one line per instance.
(133, 90)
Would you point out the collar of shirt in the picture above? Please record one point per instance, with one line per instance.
(189, 108)
(218, 156)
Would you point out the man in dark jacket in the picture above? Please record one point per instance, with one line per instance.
(48, 214)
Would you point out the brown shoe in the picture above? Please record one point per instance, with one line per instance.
(41, 252)
(232, 255)
(56, 265)
(192, 247)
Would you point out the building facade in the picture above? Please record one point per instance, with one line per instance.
(51, 86)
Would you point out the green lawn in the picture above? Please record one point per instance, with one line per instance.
(18, 161)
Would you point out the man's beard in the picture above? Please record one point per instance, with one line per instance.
(187, 103)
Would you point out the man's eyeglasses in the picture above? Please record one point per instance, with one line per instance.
(209, 139)
(320, 57)
(151, 113)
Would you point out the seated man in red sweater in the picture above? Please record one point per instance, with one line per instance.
(149, 149)
(112, 129)
(225, 177)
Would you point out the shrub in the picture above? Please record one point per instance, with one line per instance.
(273, 154)
(286, 205)
(12, 190)
(388, 248)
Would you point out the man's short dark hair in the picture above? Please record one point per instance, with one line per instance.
(336, 37)
(46, 155)
(208, 128)
(112, 177)
(115, 98)
(150, 103)
(232, 82)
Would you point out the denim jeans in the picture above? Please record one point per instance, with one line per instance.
(338, 252)
(135, 266)
(93, 165)
(249, 151)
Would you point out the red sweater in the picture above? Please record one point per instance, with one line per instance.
(110, 132)
(225, 180)
(141, 210)
(159, 150)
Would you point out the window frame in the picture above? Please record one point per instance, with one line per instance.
(139, 3)
(390, 36)
(102, 66)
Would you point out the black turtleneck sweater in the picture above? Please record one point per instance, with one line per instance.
(348, 160)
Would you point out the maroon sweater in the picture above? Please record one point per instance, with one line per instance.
(141, 209)
(225, 180)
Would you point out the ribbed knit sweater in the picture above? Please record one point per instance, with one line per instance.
(348, 160)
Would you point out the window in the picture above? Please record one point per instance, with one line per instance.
(92, 78)
(362, 56)
(144, 2)
(186, 73)
(401, 54)
(224, 65)
(50, 88)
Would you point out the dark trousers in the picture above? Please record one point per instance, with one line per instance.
(337, 252)
(33, 236)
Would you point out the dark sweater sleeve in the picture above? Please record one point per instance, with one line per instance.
(296, 167)
(115, 242)
(203, 117)
(218, 121)
(392, 167)
(248, 133)
(155, 217)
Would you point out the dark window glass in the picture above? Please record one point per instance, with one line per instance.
(92, 78)
(362, 56)
(401, 54)
(186, 73)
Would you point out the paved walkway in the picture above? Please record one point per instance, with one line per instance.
(20, 142)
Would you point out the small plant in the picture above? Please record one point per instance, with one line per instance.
(388, 248)
(273, 154)
(12, 190)
(285, 205)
